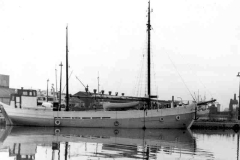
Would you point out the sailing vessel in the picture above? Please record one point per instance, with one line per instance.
(23, 110)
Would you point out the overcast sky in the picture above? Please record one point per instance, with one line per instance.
(195, 45)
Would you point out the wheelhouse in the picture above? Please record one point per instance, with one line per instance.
(23, 97)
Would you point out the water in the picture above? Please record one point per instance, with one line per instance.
(28, 143)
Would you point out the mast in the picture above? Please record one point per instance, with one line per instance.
(56, 80)
(67, 98)
(60, 93)
(149, 57)
(98, 82)
(47, 89)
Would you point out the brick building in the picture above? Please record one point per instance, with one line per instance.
(5, 91)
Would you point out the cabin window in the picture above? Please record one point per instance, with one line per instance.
(82, 104)
(18, 99)
(25, 93)
(86, 117)
(96, 117)
(105, 117)
(30, 93)
(50, 99)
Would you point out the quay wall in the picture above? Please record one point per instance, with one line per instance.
(216, 125)
(2, 120)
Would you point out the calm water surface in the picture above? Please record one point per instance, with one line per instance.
(30, 143)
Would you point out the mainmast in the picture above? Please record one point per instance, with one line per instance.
(67, 97)
(149, 57)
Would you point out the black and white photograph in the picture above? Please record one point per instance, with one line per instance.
(111, 79)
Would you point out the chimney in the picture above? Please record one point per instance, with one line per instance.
(235, 96)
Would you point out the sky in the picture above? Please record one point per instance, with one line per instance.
(194, 46)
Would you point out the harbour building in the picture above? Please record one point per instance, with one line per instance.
(5, 91)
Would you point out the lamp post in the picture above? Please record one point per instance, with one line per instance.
(239, 97)
(47, 89)
(238, 116)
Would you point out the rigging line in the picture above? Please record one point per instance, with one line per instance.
(153, 67)
(180, 77)
(145, 73)
(141, 80)
(138, 86)
(198, 78)
(68, 79)
(135, 87)
(143, 77)
(205, 87)
(195, 95)
(146, 79)
(138, 79)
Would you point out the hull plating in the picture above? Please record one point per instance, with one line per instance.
(149, 122)
(181, 117)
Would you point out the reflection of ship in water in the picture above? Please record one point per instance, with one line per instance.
(23, 152)
(26, 143)
(219, 132)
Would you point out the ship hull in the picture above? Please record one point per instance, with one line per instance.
(181, 117)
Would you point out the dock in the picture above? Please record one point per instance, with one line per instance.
(216, 125)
